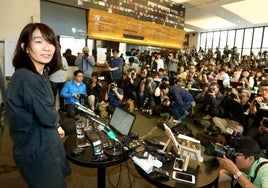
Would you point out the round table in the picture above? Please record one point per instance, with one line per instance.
(87, 159)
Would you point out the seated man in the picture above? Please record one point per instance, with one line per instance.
(146, 92)
(248, 168)
(115, 97)
(179, 101)
(74, 91)
(208, 105)
(233, 116)
(94, 89)
(259, 109)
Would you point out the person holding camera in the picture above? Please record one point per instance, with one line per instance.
(85, 63)
(179, 101)
(146, 92)
(115, 98)
(233, 116)
(94, 90)
(259, 109)
(74, 91)
(132, 87)
(208, 105)
(171, 66)
(115, 66)
(248, 169)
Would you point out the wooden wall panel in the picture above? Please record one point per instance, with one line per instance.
(108, 26)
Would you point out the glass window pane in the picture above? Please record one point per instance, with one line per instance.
(209, 39)
(248, 38)
(239, 38)
(246, 51)
(216, 39)
(265, 38)
(231, 36)
(257, 37)
(223, 39)
(203, 40)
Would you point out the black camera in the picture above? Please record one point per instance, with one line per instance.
(112, 86)
(210, 90)
(234, 96)
(205, 72)
(165, 101)
(264, 122)
(220, 150)
(82, 96)
(86, 54)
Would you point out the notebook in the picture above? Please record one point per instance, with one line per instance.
(122, 121)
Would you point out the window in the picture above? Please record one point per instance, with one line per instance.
(247, 41)
(216, 40)
(239, 38)
(257, 37)
(223, 39)
(209, 40)
(203, 40)
(265, 38)
(248, 38)
(231, 38)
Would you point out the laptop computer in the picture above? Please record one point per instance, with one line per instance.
(122, 121)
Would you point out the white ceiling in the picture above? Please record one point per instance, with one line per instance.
(207, 15)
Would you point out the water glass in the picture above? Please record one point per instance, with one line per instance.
(80, 128)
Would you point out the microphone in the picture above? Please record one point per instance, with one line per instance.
(108, 131)
(85, 109)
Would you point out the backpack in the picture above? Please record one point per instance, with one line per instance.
(237, 185)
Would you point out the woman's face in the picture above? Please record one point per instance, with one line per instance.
(40, 50)
(245, 74)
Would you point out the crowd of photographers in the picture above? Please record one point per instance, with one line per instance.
(224, 95)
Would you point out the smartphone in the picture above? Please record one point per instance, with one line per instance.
(178, 164)
(184, 177)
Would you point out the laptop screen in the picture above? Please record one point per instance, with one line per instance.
(122, 121)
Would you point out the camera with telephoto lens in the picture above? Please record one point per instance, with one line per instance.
(112, 86)
(220, 150)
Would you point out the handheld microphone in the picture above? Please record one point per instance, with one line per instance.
(85, 110)
(108, 131)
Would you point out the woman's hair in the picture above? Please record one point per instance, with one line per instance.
(21, 58)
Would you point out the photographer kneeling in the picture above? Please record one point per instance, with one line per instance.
(248, 169)
(115, 97)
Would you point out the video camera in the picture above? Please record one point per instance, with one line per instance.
(220, 150)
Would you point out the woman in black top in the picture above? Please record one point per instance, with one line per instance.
(32, 117)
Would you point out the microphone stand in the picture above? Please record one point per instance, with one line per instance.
(115, 151)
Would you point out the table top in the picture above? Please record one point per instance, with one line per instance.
(206, 174)
(87, 159)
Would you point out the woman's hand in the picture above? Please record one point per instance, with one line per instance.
(61, 132)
